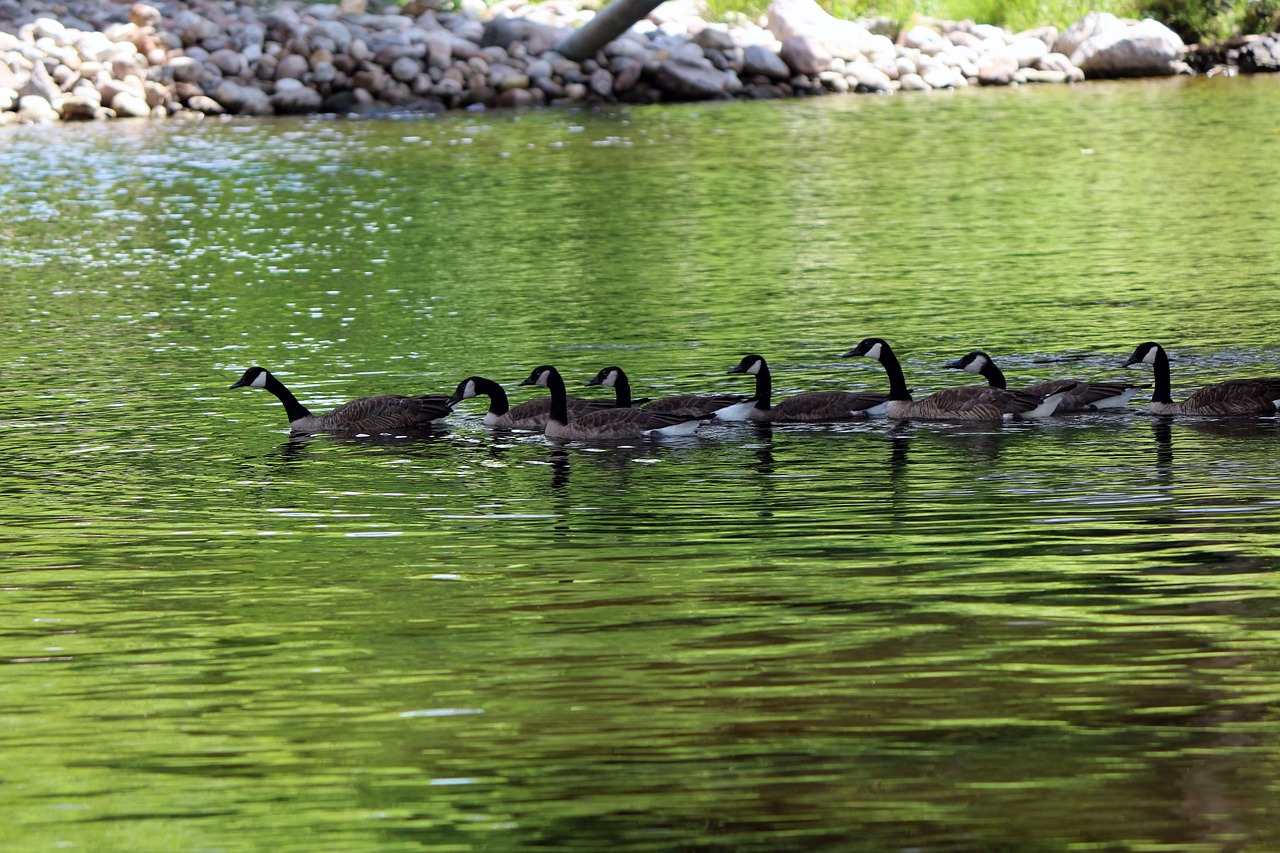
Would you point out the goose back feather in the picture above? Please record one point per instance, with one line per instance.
(615, 424)
(529, 415)
(691, 405)
(1078, 396)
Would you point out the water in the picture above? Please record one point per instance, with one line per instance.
(838, 637)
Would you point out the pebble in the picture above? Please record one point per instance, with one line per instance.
(87, 60)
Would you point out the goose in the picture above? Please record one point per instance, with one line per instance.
(693, 405)
(386, 413)
(604, 424)
(801, 408)
(531, 414)
(1259, 396)
(1081, 396)
(970, 403)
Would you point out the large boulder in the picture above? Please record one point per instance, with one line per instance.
(1145, 49)
(840, 38)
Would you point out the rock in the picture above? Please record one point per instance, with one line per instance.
(688, 81)
(183, 69)
(714, 38)
(292, 67)
(128, 104)
(229, 62)
(142, 15)
(295, 99)
(1261, 54)
(804, 55)
(243, 100)
(35, 108)
(79, 108)
(758, 59)
(1092, 24)
(626, 73)
(538, 37)
(1145, 49)
(845, 39)
(515, 99)
(405, 69)
(913, 83)
(205, 105)
(601, 83)
(939, 77)
(41, 85)
(869, 78)
(1027, 51)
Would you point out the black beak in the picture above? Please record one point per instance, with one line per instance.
(956, 365)
(240, 383)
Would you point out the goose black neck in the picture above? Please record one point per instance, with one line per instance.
(293, 410)
(559, 397)
(993, 374)
(498, 404)
(898, 389)
(1163, 389)
(764, 387)
(622, 387)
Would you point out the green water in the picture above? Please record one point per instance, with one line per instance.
(1035, 637)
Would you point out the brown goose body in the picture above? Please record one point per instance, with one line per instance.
(969, 403)
(1233, 398)
(380, 415)
(1078, 396)
(605, 424)
(813, 407)
(688, 405)
(529, 415)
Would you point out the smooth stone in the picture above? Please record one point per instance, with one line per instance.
(296, 99)
(804, 55)
(130, 105)
(845, 39)
(243, 100)
(760, 60)
(1145, 49)
(292, 66)
(913, 83)
(405, 69)
(687, 81)
(35, 108)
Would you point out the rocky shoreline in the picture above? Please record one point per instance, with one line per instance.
(93, 60)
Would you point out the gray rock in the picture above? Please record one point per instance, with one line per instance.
(805, 55)
(601, 83)
(78, 108)
(869, 78)
(1260, 55)
(626, 72)
(758, 59)
(714, 38)
(292, 66)
(405, 69)
(335, 31)
(229, 62)
(296, 99)
(688, 81)
(538, 37)
(243, 100)
(205, 105)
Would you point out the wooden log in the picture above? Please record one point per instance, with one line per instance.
(609, 23)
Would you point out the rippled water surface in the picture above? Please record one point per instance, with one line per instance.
(1049, 636)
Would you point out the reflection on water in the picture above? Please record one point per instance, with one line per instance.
(855, 636)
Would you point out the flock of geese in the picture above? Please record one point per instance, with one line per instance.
(567, 418)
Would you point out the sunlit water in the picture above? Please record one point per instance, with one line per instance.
(1044, 636)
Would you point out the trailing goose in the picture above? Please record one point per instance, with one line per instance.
(970, 403)
(386, 413)
(531, 414)
(802, 408)
(604, 424)
(1080, 396)
(693, 405)
(1259, 396)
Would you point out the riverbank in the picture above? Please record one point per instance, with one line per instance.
(96, 61)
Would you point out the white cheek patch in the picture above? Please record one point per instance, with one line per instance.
(754, 369)
(874, 352)
(469, 391)
(610, 379)
(1150, 357)
(976, 365)
(259, 381)
(542, 379)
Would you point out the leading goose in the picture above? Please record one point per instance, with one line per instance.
(969, 403)
(531, 414)
(1080, 396)
(386, 413)
(1259, 396)
(693, 405)
(605, 424)
(816, 406)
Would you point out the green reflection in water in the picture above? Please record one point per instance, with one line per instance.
(851, 637)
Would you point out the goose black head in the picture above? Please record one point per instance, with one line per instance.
(607, 377)
(973, 362)
(540, 376)
(1146, 353)
(750, 364)
(465, 391)
(869, 348)
(254, 377)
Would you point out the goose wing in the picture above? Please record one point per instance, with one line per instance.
(624, 423)
(1235, 397)
(1079, 395)
(693, 405)
(826, 406)
(970, 401)
(388, 413)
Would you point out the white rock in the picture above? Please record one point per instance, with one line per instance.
(1026, 51)
(34, 108)
(1145, 49)
(1092, 24)
(845, 39)
(129, 105)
